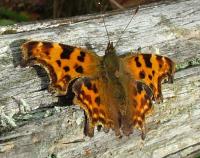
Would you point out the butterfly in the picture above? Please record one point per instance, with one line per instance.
(115, 91)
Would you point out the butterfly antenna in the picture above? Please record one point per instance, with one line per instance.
(127, 26)
(104, 21)
(106, 29)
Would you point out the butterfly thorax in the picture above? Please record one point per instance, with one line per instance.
(110, 60)
(111, 66)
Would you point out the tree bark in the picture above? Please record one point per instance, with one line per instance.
(32, 123)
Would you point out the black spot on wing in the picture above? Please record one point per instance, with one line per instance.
(97, 100)
(88, 83)
(58, 62)
(142, 74)
(79, 69)
(67, 78)
(147, 60)
(150, 77)
(153, 72)
(67, 50)
(139, 87)
(47, 45)
(95, 88)
(66, 68)
(81, 58)
(138, 64)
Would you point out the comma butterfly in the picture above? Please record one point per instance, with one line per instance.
(115, 92)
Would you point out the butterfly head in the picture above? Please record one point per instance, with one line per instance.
(110, 59)
(110, 49)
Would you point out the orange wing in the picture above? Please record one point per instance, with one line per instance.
(93, 97)
(151, 69)
(140, 96)
(62, 62)
(96, 99)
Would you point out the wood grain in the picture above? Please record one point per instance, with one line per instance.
(33, 125)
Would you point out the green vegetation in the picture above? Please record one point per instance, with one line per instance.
(8, 16)
(14, 11)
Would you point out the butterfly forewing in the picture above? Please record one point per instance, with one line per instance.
(151, 69)
(62, 62)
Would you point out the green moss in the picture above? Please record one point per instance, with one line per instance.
(189, 63)
(4, 22)
(6, 13)
(9, 31)
(197, 156)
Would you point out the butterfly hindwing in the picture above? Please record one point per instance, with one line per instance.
(151, 69)
(138, 97)
(62, 62)
(92, 96)
(141, 104)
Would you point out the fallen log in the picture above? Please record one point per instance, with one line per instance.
(32, 123)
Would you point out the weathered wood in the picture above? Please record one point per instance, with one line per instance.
(47, 130)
